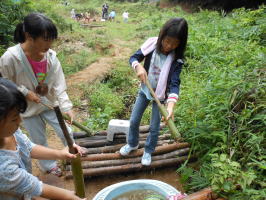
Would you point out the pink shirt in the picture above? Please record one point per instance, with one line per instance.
(39, 68)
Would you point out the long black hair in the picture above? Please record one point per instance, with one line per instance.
(36, 25)
(10, 98)
(175, 28)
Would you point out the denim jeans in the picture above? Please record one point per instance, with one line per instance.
(36, 127)
(140, 105)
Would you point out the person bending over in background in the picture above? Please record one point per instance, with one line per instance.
(162, 67)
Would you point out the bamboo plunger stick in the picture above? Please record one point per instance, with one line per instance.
(175, 133)
(78, 125)
(76, 162)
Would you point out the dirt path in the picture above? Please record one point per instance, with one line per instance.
(99, 69)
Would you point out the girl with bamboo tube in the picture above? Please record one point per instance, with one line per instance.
(16, 151)
(162, 67)
(35, 68)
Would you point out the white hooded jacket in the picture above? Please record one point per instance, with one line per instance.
(15, 66)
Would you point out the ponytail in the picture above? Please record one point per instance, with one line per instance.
(19, 34)
(36, 25)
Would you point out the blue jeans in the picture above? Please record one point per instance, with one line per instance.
(140, 105)
(36, 127)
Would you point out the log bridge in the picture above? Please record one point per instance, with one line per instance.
(102, 156)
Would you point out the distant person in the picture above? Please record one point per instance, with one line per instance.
(87, 17)
(35, 68)
(16, 151)
(112, 15)
(105, 11)
(162, 67)
(125, 16)
(73, 14)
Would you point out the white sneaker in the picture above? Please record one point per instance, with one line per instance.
(125, 150)
(146, 159)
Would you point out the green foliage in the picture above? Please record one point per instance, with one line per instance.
(104, 105)
(11, 14)
(223, 108)
(228, 175)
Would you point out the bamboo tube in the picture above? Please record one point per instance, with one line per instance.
(170, 123)
(75, 163)
(136, 153)
(104, 163)
(129, 167)
(80, 126)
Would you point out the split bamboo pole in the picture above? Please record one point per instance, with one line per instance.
(175, 133)
(129, 167)
(75, 163)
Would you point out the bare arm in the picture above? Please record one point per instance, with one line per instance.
(56, 193)
(44, 153)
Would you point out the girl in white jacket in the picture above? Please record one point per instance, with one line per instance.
(34, 67)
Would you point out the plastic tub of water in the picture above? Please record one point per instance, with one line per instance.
(142, 189)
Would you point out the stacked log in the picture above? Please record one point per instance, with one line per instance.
(102, 157)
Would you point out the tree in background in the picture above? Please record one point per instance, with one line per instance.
(11, 13)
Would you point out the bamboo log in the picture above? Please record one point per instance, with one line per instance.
(104, 163)
(142, 129)
(116, 137)
(114, 148)
(75, 163)
(100, 143)
(136, 153)
(205, 194)
(84, 142)
(129, 167)
(170, 122)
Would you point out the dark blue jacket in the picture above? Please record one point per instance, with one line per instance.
(173, 81)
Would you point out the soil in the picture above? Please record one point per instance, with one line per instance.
(94, 72)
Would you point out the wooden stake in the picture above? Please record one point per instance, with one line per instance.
(75, 163)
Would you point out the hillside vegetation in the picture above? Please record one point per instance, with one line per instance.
(222, 107)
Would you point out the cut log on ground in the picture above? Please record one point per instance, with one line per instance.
(205, 194)
(129, 167)
(105, 163)
(136, 153)
(114, 148)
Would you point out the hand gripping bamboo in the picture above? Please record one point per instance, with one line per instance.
(170, 123)
(75, 163)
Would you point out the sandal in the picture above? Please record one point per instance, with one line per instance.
(55, 171)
